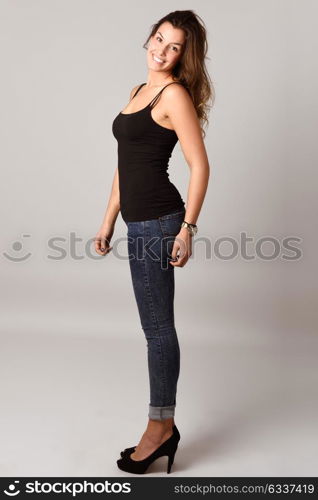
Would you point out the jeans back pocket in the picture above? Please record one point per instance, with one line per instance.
(171, 223)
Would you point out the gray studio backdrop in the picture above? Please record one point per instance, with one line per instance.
(73, 370)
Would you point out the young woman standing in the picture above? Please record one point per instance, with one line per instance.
(170, 106)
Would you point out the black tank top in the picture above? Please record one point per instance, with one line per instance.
(144, 149)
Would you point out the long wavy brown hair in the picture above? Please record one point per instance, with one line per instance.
(191, 70)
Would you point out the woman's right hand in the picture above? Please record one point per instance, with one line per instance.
(102, 240)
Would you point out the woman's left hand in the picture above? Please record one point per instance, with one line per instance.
(183, 246)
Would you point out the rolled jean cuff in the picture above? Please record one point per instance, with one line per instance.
(161, 412)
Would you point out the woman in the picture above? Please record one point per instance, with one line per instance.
(165, 109)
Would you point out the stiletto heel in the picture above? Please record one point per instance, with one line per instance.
(168, 447)
(170, 462)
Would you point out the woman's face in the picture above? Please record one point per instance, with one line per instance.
(165, 48)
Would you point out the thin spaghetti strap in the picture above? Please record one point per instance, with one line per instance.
(156, 98)
(138, 90)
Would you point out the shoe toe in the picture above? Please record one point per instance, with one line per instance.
(127, 451)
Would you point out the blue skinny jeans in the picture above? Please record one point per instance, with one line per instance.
(150, 245)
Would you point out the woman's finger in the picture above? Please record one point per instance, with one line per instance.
(103, 244)
(180, 262)
(97, 243)
(175, 248)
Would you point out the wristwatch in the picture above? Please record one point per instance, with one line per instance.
(192, 228)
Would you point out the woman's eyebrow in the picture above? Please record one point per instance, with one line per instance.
(173, 43)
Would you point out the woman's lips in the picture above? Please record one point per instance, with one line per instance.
(157, 60)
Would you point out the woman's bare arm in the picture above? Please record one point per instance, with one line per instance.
(113, 206)
(105, 233)
(178, 106)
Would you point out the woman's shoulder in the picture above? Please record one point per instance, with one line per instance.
(134, 90)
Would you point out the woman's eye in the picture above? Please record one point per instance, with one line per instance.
(160, 39)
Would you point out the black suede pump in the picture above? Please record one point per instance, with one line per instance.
(132, 448)
(168, 447)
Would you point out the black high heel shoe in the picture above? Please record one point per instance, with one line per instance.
(168, 447)
(132, 448)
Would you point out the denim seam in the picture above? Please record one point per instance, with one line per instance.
(149, 296)
(161, 223)
(146, 281)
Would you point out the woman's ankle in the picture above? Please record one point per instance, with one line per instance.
(160, 425)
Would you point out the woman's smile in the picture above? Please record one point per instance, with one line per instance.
(157, 59)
